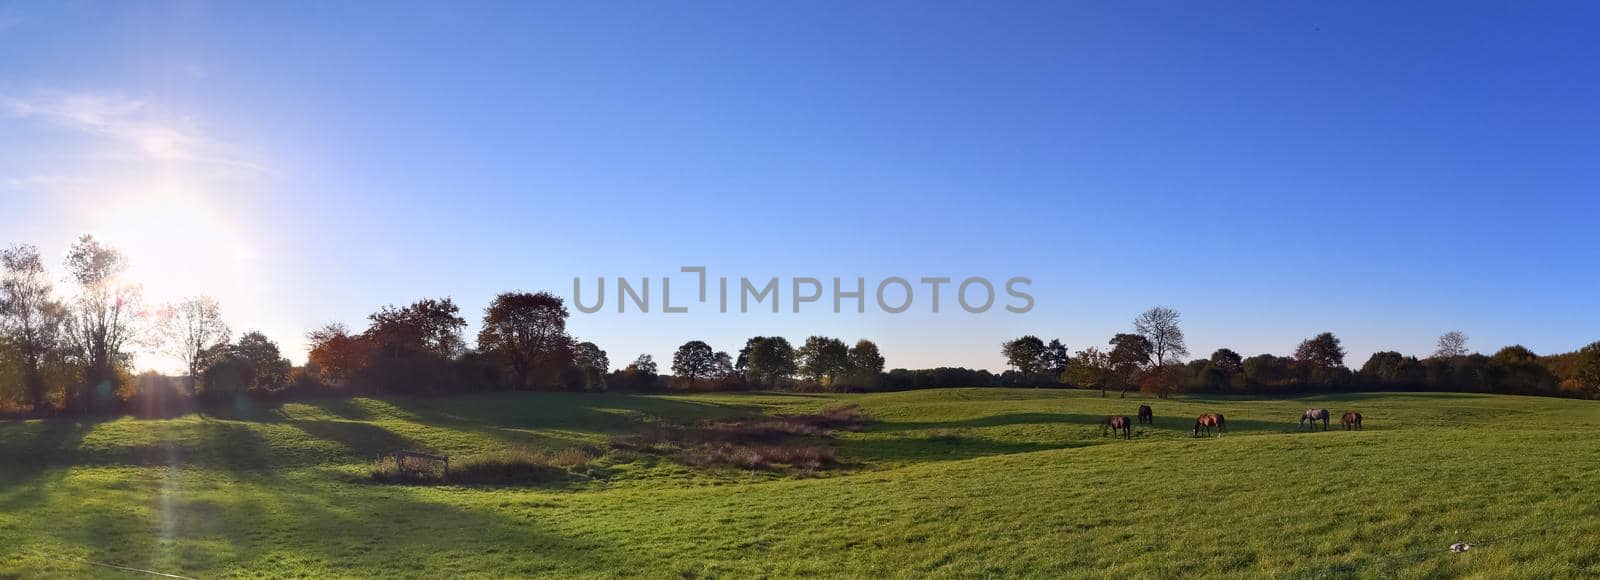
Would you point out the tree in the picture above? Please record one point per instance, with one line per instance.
(766, 360)
(1228, 362)
(1130, 351)
(529, 332)
(1320, 352)
(1586, 371)
(336, 353)
(724, 367)
(429, 325)
(193, 331)
(31, 318)
(1159, 326)
(1266, 369)
(1518, 369)
(271, 370)
(644, 364)
(1025, 353)
(1452, 344)
(639, 375)
(1162, 380)
(1390, 368)
(693, 361)
(589, 355)
(102, 318)
(1091, 368)
(822, 359)
(866, 364)
(1055, 359)
(1320, 360)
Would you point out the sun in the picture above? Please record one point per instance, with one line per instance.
(181, 244)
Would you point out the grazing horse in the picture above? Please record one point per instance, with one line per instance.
(1146, 415)
(1351, 420)
(1117, 423)
(1209, 420)
(1314, 415)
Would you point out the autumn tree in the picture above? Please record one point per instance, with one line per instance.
(1161, 381)
(1091, 368)
(693, 361)
(336, 353)
(639, 375)
(1159, 326)
(193, 331)
(1586, 370)
(31, 319)
(102, 319)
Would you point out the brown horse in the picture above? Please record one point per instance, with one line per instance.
(1146, 415)
(1209, 420)
(1117, 423)
(1351, 420)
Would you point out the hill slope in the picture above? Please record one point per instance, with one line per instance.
(951, 482)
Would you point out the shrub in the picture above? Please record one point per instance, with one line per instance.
(503, 467)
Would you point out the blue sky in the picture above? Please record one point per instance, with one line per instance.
(1385, 171)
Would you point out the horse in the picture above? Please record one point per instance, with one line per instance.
(1117, 423)
(1351, 420)
(1146, 415)
(1314, 415)
(1209, 420)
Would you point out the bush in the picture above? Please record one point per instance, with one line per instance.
(504, 467)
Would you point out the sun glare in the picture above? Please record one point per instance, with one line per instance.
(181, 244)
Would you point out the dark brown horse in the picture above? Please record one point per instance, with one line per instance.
(1209, 420)
(1117, 423)
(1351, 420)
(1146, 415)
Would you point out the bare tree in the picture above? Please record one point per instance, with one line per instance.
(193, 331)
(30, 316)
(1452, 344)
(1159, 325)
(101, 320)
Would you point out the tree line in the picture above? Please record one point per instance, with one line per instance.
(1150, 359)
(75, 355)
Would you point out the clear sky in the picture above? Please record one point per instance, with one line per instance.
(1383, 170)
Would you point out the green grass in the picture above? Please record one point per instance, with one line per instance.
(951, 482)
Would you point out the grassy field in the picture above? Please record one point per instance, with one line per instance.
(950, 482)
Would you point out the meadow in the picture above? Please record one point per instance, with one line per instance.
(941, 483)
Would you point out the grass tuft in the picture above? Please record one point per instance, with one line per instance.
(764, 443)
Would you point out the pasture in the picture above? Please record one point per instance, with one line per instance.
(944, 483)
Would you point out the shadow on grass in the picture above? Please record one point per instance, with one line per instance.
(358, 439)
(939, 447)
(297, 527)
